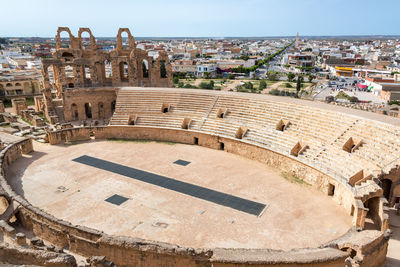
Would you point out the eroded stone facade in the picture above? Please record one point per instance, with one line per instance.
(89, 66)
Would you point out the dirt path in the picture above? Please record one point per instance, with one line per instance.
(232, 85)
(272, 87)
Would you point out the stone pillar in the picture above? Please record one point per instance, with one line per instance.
(360, 212)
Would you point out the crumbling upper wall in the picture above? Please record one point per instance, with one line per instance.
(87, 67)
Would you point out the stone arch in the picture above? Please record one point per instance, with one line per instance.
(71, 85)
(26, 86)
(372, 204)
(74, 112)
(107, 69)
(58, 36)
(88, 110)
(123, 71)
(163, 69)
(17, 84)
(92, 42)
(69, 71)
(387, 188)
(131, 40)
(9, 85)
(87, 75)
(145, 68)
(164, 64)
(67, 56)
(101, 112)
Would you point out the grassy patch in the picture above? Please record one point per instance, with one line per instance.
(293, 179)
(28, 122)
(119, 140)
(44, 118)
(30, 101)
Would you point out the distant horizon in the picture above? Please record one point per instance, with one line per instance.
(214, 19)
(220, 37)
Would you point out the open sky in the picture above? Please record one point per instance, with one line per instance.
(201, 18)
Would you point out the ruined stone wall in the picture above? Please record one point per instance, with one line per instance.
(20, 256)
(99, 102)
(18, 105)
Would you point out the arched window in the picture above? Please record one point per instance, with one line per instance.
(27, 86)
(69, 72)
(107, 69)
(125, 40)
(123, 71)
(65, 40)
(17, 84)
(71, 85)
(67, 56)
(86, 70)
(88, 110)
(163, 69)
(9, 85)
(74, 112)
(145, 68)
(85, 37)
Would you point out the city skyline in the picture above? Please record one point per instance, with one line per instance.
(250, 18)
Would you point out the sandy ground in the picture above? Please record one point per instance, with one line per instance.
(297, 215)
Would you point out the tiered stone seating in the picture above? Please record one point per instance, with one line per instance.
(380, 144)
(147, 106)
(323, 132)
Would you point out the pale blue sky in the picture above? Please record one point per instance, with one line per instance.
(191, 18)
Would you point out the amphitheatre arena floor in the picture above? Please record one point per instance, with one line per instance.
(297, 215)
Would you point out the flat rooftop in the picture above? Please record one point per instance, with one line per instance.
(296, 215)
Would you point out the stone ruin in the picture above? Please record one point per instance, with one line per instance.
(81, 66)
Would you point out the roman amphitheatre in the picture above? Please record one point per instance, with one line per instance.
(131, 172)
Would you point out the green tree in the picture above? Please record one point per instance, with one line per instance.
(263, 85)
(310, 78)
(272, 75)
(176, 80)
(244, 57)
(298, 84)
(206, 85)
(248, 85)
(290, 76)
